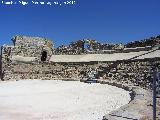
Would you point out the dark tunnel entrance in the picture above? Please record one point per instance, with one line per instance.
(44, 56)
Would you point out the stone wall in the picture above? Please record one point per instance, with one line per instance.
(27, 47)
(137, 73)
(86, 46)
(31, 41)
(24, 49)
(152, 41)
(44, 70)
(38, 52)
(89, 46)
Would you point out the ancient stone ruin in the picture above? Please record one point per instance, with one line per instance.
(35, 58)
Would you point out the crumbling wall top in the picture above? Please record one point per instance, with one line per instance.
(31, 41)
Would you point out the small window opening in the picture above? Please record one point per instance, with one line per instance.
(85, 46)
(44, 56)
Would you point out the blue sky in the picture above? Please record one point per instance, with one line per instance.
(107, 21)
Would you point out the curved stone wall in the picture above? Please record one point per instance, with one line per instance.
(139, 108)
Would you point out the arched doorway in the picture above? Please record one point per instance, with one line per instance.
(44, 56)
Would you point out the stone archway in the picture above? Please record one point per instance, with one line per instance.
(44, 56)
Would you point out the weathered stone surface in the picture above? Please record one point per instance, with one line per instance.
(29, 59)
(24, 60)
(31, 41)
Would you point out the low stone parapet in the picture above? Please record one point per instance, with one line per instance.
(139, 108)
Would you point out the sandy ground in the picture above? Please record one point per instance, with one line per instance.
(58, 100)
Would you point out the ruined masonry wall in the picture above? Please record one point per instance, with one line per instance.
(138, 73)
(27, 47)
(31, 41)
(134, 72)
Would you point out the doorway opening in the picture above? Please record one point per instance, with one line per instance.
(44, 56)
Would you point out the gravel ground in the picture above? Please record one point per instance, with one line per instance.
(58, 100)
